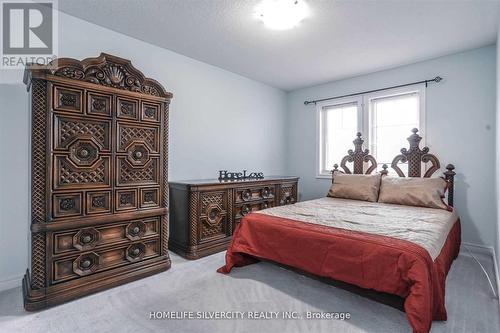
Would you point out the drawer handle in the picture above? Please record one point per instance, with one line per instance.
(135, 252)
(86, 263)
(86, 239)
(135, 230)
(84, 153)
(246, 195)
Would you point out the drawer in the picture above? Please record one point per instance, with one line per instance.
(246, 194)
(67, 99)
(213, 218)
(90, 238)
(288, 194)
(244, 209)
(99, 260)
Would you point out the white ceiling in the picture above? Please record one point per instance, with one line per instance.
(341, 38)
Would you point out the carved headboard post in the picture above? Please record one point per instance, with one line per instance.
(415, 156)
(358, 157)
(449, 175)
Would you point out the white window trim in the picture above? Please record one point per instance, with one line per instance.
(363, 102)
(326, 174)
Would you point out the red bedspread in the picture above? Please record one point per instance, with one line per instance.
(369, 261)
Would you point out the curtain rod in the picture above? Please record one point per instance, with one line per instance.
(436, 79)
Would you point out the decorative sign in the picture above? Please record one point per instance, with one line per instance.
(225, 175)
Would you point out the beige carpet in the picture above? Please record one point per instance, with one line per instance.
(195, 286)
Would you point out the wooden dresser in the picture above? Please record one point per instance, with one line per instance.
(99, 178)
(204, 213)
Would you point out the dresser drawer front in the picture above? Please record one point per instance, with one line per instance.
(287, 194)
(249, 194)
(92, 262)
(86, 239)
(244, 209)
(213, 217)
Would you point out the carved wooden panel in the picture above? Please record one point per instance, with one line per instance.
(213, 215)
(67, 175)
(149, 197)
(106, 70)
(127, 108)
(129, 175)
(288, 194)
(126, 199)
(38, 183)
(68, 204)
(164, 190)
(99, 104)
(69, 129)
(67, 99)
(150, 112)
(130, 134)
(38, 273)
(98, 202)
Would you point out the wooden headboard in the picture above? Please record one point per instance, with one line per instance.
(413, 156)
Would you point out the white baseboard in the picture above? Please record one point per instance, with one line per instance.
(10, 282)
(489, 250)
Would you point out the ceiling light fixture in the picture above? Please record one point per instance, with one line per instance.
(282, 14)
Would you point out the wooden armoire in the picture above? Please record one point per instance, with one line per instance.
(98, 178)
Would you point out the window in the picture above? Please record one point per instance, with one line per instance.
(385, 119)
(338, 123)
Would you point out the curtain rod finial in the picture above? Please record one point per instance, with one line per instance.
(438, 79)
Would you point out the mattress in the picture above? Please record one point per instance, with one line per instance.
(426, 227)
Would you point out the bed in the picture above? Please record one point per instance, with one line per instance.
(397, 249)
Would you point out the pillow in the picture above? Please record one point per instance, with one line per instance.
(422, 192)
(356, 187)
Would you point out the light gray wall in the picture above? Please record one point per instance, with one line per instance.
(218, 120)
(460, 122)
(497, 153)
(14, 183)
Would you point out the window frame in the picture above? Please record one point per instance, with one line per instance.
(320, 146)
(363, 124)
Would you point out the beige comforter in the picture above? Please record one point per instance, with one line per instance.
(427, 227)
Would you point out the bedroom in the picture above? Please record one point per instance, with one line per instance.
(234, 85)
